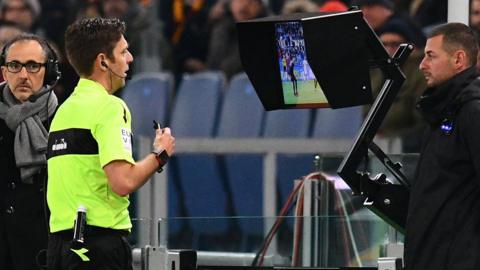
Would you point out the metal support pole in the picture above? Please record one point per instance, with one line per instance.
(458, 11)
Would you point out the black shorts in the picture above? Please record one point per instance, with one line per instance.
(104, 249)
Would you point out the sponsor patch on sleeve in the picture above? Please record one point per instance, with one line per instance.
(127, 139)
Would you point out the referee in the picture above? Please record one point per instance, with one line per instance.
(90, 160)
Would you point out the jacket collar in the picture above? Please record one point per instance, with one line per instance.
(437, 102)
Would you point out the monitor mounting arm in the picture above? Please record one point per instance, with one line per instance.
(386, 199)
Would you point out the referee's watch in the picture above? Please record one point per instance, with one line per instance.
(162, 158)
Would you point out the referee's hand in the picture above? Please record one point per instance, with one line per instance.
(164, 140)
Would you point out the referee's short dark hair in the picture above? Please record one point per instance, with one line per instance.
(86, 38)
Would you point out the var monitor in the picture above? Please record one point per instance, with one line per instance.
(307, 60)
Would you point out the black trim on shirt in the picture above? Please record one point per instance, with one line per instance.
(71, 141)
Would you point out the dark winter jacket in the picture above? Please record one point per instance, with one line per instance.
(443, 223)
(8, 169)
(23, 217)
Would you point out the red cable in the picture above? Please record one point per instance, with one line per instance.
(278, 222)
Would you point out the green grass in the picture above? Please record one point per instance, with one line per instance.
(306, 93)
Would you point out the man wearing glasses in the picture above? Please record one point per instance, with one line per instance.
(27, 64)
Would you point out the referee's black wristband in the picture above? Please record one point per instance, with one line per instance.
(162, 159)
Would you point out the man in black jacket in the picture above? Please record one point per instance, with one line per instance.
(26, 104)
(443, 223)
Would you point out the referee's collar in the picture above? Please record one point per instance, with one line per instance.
(90, 86)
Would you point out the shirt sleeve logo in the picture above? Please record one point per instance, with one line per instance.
(126, 139)
(59, 145)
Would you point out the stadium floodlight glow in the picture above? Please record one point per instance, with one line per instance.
(308, 60)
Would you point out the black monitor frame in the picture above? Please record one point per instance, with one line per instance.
(336, 49)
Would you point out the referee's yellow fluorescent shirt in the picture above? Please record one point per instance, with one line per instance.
(90, 129)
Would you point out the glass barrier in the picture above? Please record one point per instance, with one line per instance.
(341, 233)
(141, 233)
(354, 240)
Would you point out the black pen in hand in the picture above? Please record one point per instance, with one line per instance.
(156, 125)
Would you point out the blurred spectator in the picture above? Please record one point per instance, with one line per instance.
(299, 6)
(333, 6)
(380, 12)
(475, 22)
(275, 6)
(134, 16)
(429, 12)
(116, 8)
(376, 12)
(55, 17)
(218, 11)
(87, 8)
(138, 21)
(69, 78)
(24, 13)
(223, 49)
(402, 120)
(402, 5)
(8, 31)
(475, 15)
(187, 29)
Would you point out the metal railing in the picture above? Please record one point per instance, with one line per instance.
(152, 197)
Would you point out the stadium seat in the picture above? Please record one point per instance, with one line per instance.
(194, 115)
(148, 97)
(196, 104)
(289, 124)
(243, 171)
(240, 97)
(339, 123)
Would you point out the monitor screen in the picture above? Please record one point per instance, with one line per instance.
(308, 60)
(299, 85)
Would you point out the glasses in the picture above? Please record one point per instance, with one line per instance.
(30, 66)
